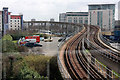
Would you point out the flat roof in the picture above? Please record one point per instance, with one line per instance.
(76, 12)
(97, 4)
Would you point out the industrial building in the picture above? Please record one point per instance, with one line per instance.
(102, 15)
(74, 17)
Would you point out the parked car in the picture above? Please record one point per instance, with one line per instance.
(33, 45)
(37, 45)
(61, 39)
(48, 40)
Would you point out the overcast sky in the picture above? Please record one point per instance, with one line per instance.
(46, 9)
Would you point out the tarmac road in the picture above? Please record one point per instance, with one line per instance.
(50, 48)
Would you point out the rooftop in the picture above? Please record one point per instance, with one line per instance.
(96, 4)
(76, 12)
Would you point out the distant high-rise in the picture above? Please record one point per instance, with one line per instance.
(74, 17)
(119, 10)
(102, 15)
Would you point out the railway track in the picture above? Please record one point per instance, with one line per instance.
(72, 64)
(76, 64)
(109, 53)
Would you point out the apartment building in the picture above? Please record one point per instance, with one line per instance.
(9, 21)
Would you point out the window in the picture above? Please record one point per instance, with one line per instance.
(86, 21)
(10, 20)
(81, 18)
(15, 26)
(86, 18)
(18, 20)
(81, 21)
(69, 19)
(11, 26)
(75, 20)
(15, 20)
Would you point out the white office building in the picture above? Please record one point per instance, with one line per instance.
(74, 17)
(102, 15)
(119, 10)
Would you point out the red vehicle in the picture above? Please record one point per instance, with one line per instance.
(33, 38)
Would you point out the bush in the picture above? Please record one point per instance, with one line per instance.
(8, 46)
(7, 37)
(22, 49)
(38, 63)
(26, 72)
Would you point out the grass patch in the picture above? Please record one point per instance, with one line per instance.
(116, 74)
(101, 63)
(87, 50)
(15, 41)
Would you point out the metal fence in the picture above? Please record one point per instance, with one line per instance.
(100, 67)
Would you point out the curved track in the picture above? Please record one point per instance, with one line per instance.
(111, 54)
(76, 64)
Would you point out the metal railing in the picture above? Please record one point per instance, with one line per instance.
(98, 62)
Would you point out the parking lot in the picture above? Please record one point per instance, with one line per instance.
(48, 48)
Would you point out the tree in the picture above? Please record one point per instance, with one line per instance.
(7, 37)
(27, 73)
(8, 46)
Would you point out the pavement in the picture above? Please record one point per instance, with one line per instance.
(48, 48)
